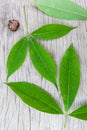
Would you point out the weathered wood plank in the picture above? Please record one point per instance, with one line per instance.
(14, 114)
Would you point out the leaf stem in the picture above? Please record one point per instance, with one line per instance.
(65, 120)
(26, 23)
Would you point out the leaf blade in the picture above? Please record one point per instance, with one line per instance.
(16, 56)
(35, 97)
(57, 9)
(69, 77)
(42, 61)
(80, 113)
(51, 31)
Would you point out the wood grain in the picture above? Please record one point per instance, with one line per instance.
(14, 114)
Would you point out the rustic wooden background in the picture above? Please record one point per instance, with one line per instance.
(14, 114)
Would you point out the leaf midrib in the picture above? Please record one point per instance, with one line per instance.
(68, 79)
(42, 33)
(41, 59)
(37, 100)
(62, 10)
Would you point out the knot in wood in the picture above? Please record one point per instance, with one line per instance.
(13, 25)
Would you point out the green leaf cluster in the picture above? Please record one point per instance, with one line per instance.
(69, 80)
(41, 59)
(69, 70)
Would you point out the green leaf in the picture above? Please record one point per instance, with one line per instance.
(69, 76)
(35, 97)
(42, 61)
(16, 56)
(51, 31)
(63, 9)
(80, 113)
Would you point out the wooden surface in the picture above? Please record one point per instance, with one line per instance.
(14, 114)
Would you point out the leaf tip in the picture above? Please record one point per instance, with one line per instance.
(75, 27)
(71, 45)
(5, 83)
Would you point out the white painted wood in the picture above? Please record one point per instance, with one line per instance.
(14, 114)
